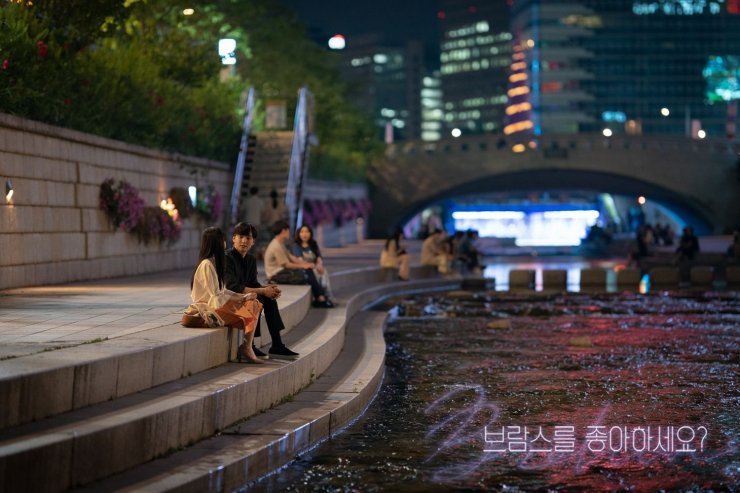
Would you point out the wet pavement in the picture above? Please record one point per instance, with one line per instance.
(545, 392)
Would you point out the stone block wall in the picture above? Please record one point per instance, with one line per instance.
(53, 231)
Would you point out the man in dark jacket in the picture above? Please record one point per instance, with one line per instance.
(240, 275)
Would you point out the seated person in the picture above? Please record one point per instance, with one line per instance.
(688, 246)
(306, 248)
(241, 276)
(469, 254)
(215, 306)
(433, 252)
(281, 267)
(394, 256)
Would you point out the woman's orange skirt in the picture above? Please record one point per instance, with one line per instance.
(243, 317)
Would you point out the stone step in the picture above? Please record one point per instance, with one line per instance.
(244, 452)
(249, 450)
(92, 443)
(48, 383)
(286, 135)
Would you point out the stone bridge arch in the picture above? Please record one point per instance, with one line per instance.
(696, 180)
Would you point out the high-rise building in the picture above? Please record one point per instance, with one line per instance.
(475, 55)
(387, 82)
(432, 107)
(658, 67)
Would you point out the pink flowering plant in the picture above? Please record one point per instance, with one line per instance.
(157, 225)
(127, 212)
(122, 203)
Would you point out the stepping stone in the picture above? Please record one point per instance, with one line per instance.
(629, 277)
(554, 279)
(702, 275)
(664, 276)
(521, 278)
(593, 278)
(732, 275)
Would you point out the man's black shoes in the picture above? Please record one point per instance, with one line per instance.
(327, 303)
(282, 353)
(259, 353)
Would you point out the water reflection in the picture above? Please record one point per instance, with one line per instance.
(575, 370)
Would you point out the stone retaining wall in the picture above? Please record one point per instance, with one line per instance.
(53, 231)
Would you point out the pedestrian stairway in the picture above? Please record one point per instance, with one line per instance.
(267, 164)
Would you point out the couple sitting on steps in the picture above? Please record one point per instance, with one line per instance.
(225, 291)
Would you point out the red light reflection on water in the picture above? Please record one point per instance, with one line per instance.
(646, 361)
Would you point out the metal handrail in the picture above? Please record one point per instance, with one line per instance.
(298, 158)
(239, 172)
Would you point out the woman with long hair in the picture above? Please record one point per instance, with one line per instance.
(394, 256)
(215, 306)
(306, 247)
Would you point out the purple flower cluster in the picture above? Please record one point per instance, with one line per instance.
(122, 204)
(169, 229)
(336, 211)
(127, 211)
(157, 225)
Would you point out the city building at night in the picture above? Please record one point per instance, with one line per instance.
(630, 67)
(432, 107)
(387, 83)
(475, 55)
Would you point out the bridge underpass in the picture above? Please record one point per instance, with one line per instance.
(696, 180)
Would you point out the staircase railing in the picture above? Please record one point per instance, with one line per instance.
(239, 172)
(299, 157)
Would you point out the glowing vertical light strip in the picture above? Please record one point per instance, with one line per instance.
(535, 67)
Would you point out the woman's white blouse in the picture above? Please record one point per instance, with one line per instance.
(390, 257)
(207, 296)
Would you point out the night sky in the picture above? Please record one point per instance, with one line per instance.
(397, 20)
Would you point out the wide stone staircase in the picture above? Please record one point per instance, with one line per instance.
(158, 407)
(267, 164)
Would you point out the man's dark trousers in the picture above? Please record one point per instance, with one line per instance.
(240, 272)
(272, 317)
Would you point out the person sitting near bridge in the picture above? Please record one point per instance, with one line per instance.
(394, 256)
(469, 253)
(433, 252)
(688, 246)
(643, 247)
(282, 267)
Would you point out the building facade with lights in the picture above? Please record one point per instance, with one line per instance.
(387, 83)
(432, 107)
(623, 66)
(475, 55)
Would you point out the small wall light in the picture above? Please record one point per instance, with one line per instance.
(518, 148)
(8, 190)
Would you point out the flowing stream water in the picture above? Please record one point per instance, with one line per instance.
(494, 391)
